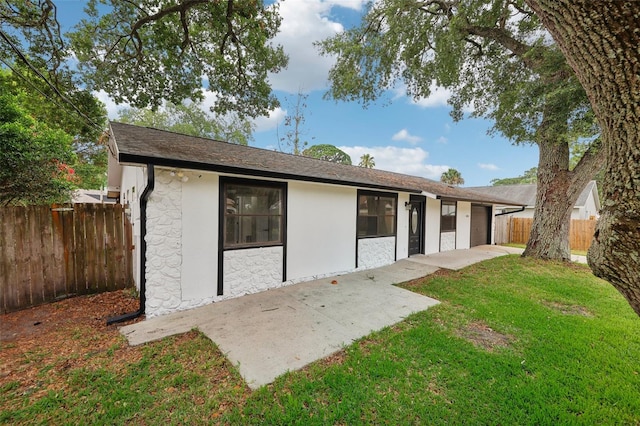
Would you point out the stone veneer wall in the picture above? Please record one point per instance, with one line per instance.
(164, 246)
(250, 271)
(447, 241)
(375, 252)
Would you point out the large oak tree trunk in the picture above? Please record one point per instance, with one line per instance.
(549, 238)
(558, 189)
(600, 40)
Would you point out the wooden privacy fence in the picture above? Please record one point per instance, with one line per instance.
(517, 230)
(52, 252)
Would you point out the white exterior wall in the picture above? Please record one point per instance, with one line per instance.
(321, 230)
(200, 201)
(375, 252)
(493, 225)
(182, 238)
(134, 181)
(164, 246)
(463, 225)
(432, 226)
(587, 211)
(252, 270)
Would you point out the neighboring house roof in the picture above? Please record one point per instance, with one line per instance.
(91, 196)
(526, 194)
(143, 145)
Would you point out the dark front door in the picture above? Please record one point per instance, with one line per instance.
(480, 225)
(416, 226)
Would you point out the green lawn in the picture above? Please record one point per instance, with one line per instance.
(515, 341)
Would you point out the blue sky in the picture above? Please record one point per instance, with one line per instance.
(402, 135)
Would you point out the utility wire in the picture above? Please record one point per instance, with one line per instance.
(51, 85)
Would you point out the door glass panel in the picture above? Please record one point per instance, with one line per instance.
(414, 220)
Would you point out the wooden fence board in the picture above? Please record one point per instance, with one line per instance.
(580, 234)
(47, 253)
(91, 253)
(69, 245)
(33, 246)
(23, 272)
(79, 217)
(58, 266)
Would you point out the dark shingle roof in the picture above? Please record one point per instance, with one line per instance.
(143, 145)
(525, 194)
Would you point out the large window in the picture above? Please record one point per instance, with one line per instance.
(448, 218)
(253, 214)
(376, 214)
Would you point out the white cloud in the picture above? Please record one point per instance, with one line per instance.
(438, 97)
(112, 107)
(263, 123)
(404, 135)
(303, 23)
(411, 161)
(442, 140)
(488, 166)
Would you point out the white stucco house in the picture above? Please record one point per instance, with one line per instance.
(214, 220)
(587, 205)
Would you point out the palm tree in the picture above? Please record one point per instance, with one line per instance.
(452, 177)
(367, 161)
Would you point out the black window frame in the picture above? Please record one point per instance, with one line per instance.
(366, 222)
(225, 183)
(448, 223)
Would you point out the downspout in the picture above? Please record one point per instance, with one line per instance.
(511, 212)
(144, 198)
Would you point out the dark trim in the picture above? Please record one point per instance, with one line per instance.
(222, 204)
(144, 199)
(455, 231)
(422, 200)
(285, 202)
(356, 233)
(521, 209)
(487, 224)
(194, 165)
(381, 194)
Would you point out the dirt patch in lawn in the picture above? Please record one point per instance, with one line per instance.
(60, 335)
(566, 309)
(41, 347)
(480, 334)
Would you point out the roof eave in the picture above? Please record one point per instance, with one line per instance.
(194, 165)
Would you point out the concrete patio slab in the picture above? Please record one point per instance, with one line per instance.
(458, 259)
(272, 332)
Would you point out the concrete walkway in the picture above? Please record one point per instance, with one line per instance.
(272, 332)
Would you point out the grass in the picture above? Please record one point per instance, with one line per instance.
(514, 341)
(523, 246)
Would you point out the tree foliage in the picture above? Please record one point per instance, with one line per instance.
(145, 52)
(495, 57)
(452, 177)
(294, 123)
(367, 161)
(85, 123)
(190, 119)
(34, 159)
(328, 153)
(529, 176)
